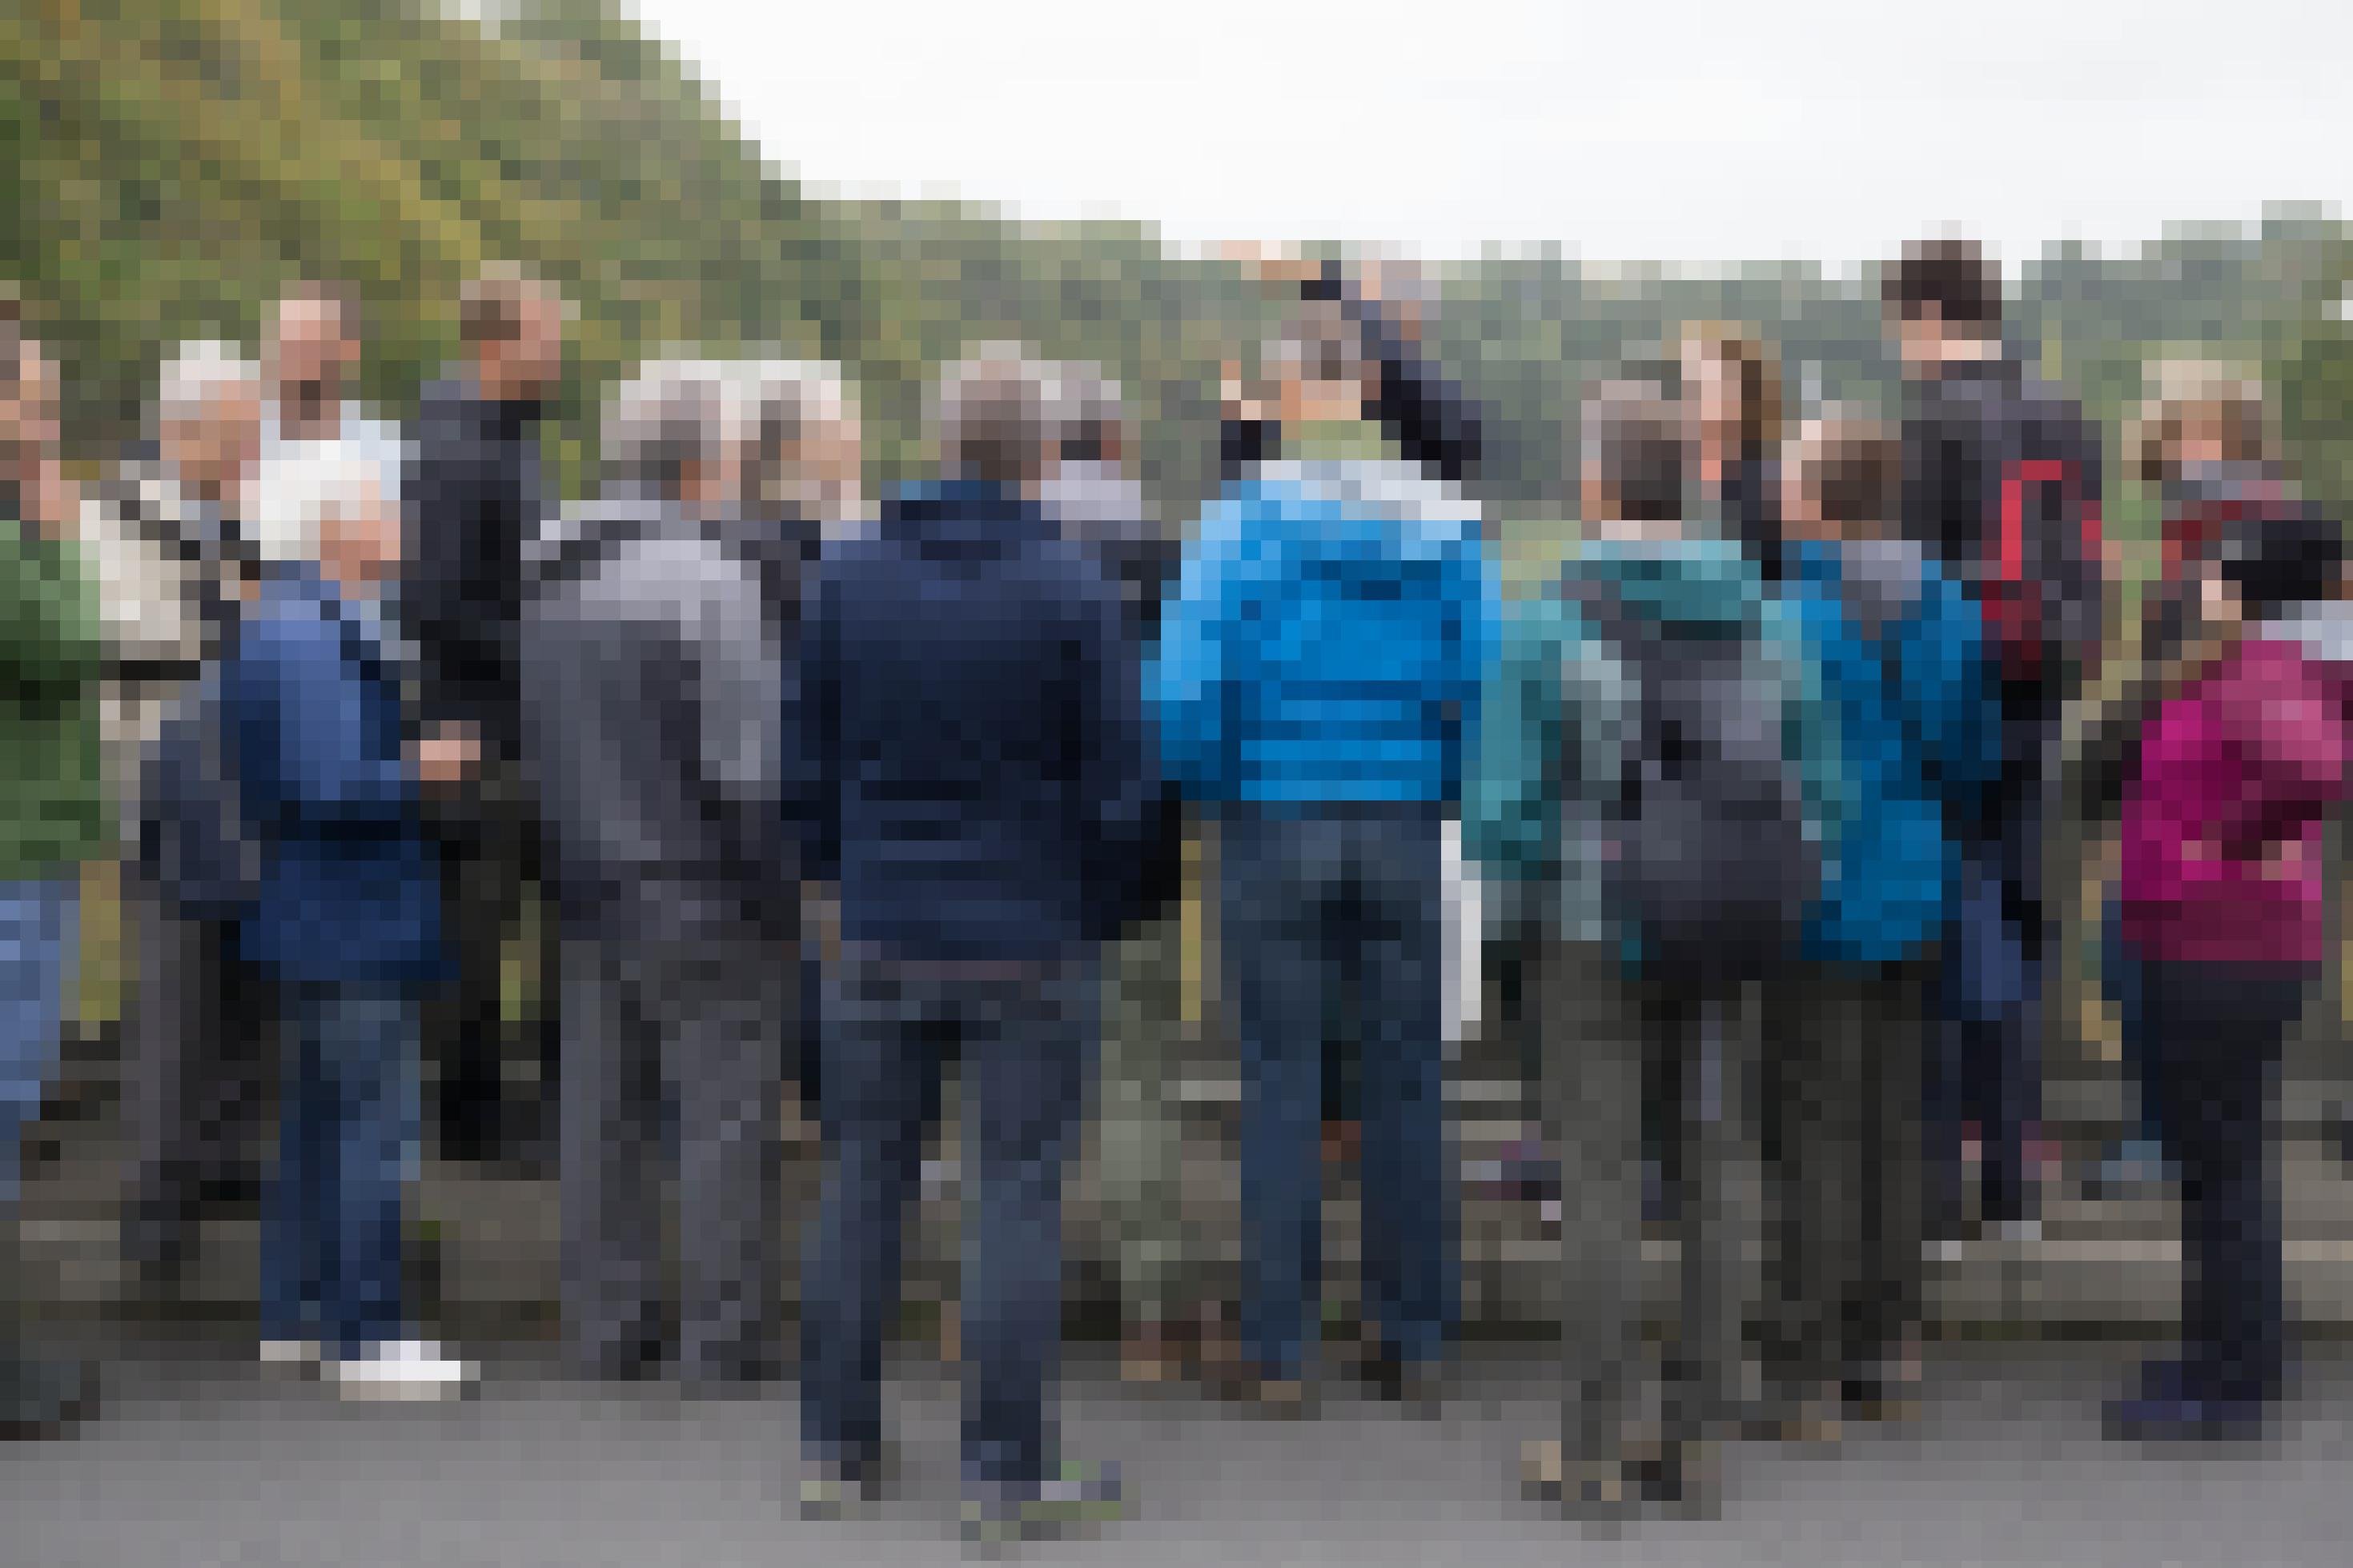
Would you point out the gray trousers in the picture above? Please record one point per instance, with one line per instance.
(1142, 1129)
(701, 1025)
(201, 1043)
(1601, 1026)
(1849, 1177)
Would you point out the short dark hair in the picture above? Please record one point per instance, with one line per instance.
(2282, 558)
(1853, 468)
(1952, 278)
(1638, 442)
(490, 307)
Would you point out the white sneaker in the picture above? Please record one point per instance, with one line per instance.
(401, 1371)
(300, 1354)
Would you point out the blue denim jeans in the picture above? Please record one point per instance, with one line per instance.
(348, 1116)
(36, 932)
(1023, 1038)
(1332, 905)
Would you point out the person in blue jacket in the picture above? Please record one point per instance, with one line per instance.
(1316, 682)
(344, 921)
(1902, 662)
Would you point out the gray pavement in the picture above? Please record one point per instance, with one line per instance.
(201, 1460)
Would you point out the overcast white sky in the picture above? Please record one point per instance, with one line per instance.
(1663, 129)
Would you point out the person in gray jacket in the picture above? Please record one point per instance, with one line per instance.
(651, 683)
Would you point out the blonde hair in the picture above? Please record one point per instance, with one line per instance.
(1756, 368)
(2186, 394)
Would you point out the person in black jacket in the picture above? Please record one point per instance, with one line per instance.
(977, 776)
(476, 498)
(2001, 485)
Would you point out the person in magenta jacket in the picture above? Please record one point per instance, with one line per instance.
(2220, 892)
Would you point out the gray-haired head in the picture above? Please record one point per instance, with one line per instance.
(207, 417)
(801, 451)
(993, 417)
(1090, 416)
(669, 429)
(202, 374)
(1635, 450)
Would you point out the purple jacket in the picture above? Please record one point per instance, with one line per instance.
(2221, 826)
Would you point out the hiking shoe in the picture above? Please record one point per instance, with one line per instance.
(1416, 1384)
(1594, 1489)
(2148, 1420)
(835, 1491)
(400, 1372)
(41, 1397)
(1075, 1496)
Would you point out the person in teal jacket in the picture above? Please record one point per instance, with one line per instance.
(1559, 731)
(1902, 661)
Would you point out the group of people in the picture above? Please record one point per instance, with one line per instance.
(1756, 779)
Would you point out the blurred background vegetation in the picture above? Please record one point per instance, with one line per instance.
(167, 165)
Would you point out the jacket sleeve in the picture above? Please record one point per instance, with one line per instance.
(51, 645)
(1186, 680)
(1809, 729)
(1120, 783)
(304, 751)
(2292, 737)
(811, 745)
(1433, 423)
(738, 690)
(1510, 825)
(1942, 673)
(1474, 597)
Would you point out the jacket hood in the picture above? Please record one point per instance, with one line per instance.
(580, 534)
(1691, 582)
(2323, 630)
(1359, 525)
(1880, 578)
(964, 519)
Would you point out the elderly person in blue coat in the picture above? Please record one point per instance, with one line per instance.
(1314, 682)
(345, 919)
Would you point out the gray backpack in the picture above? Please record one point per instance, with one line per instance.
(1709, 852)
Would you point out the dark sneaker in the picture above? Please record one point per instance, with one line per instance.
(2145, 1420)
(1078, 1496)
(43, 1398)
(1418, 1385)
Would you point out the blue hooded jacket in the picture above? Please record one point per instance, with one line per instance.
(970, 755)
(1919, 732)
(347, 893)
(1328, 640)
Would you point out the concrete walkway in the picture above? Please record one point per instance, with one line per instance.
(201, 1460)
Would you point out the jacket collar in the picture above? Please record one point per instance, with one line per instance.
(966, 517)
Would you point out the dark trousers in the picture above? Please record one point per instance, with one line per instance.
(201, 1039)
(1986, 1060)
(2211, 1042)
(1847, 1169)
(1023, 1037)
(697, 1027)
(488, 839)
(1318, 906)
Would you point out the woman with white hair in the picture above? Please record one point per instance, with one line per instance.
(344, 921)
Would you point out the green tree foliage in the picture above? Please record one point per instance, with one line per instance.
(167, 165)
